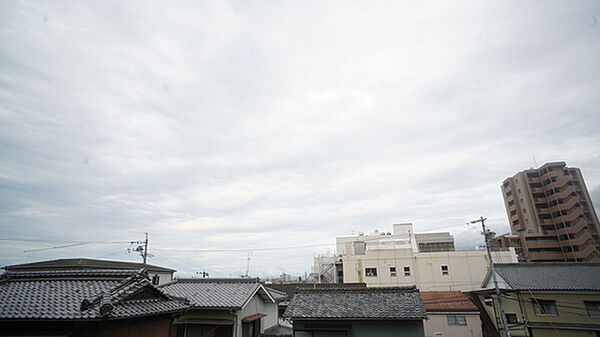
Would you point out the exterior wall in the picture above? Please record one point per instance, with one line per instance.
(570, 306)
(466, 269)
(163, 277)
(551, 212)
(437, 326)
(258, 306)
(364, 328)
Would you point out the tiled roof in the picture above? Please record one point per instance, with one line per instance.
(80, 263)
(291, 288)
(81, 295)
(395, 303)
(278, 331)
(549, 276)
(447, 301)
(215, 293)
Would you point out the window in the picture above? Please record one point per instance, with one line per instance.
(392, 271)
(511, 319)
(457, 320)
(155, 279)
(370, 271)
(544, 308)
(593, 309)
(445, 270)
(406, 271)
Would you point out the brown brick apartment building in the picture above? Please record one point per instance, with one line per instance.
(551, 215)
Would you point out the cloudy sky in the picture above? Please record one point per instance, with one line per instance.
(226, 126)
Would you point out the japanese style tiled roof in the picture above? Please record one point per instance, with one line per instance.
(394, 303)
(85, 264)
(291, 288)
(81, 295)
(447, 301)
(549, 276)
(232, 293)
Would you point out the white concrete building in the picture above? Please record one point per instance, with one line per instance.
(394, 259)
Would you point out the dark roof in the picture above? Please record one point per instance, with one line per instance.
(82, 295)
(278, 331)
(231, 293)
(549, 276)
(447, 301)
(291, 288)
(394, 303)
(80, 263)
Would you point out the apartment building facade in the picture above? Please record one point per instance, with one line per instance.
(390, 260)
(551, 215)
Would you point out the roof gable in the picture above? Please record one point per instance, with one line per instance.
(217, 293)
(81, 295)
(87, 264)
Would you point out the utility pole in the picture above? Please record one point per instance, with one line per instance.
(145, 255)
(489, 253)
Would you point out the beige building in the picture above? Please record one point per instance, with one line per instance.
(390, 266)
(545, 299)
(450, 314)
(394, 259)
(551, 215)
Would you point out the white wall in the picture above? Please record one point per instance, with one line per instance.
(466, 269)
(258, 306)
(439, 323)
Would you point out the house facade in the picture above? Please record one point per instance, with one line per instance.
(230, 307)
(450, 314)
(82, 303)
(377, 312)
(546, 299)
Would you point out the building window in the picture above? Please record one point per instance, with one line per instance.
(544, 308)
(155, 279)
(370, 271)
(445, 270)
(511, 319)
(406, 271)
(457, 320)
(392, 271)
(593, 309)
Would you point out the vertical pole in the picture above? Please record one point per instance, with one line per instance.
(498, 295)
(145, 249)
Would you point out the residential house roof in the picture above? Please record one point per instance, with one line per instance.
(233, 293)
(291, 288)
(81, 263)
(547, 276)
(447, 301)
(82, 295)
(394, 303)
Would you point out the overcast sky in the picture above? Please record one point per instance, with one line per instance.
(257, 124)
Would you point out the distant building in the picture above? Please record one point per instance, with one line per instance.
(545, 299)
(450, 314)
(84, 303)
(551, 215)
(228, 307)
(158, 275)
(358, 312)
(395, 260)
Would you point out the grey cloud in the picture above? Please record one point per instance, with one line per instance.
(227, 124)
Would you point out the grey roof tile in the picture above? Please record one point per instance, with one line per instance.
(551, 276)
(87, 264)
(395, 303)
(60, 294)
(213, 293)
